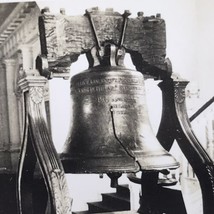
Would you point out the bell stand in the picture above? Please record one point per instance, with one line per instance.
(145, 40)
(37, 147)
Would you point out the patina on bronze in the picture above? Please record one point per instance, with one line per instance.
(110, 130)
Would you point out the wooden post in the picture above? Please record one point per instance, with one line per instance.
(37, 146)
(176, 121)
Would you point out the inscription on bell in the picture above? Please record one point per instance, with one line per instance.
(109, 80)
(124, 93)
(108, 85)
(92, 89)
(127, 99)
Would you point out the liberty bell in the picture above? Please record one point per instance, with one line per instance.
(110, 130)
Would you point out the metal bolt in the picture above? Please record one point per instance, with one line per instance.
(120, 52)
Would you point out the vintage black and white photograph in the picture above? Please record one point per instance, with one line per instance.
(106, 106)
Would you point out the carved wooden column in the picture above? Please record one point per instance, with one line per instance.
(12, 106)
(25, 64)
(38, 146)
(12, 101)
(4, 125)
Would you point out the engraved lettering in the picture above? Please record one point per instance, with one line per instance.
(118, 80)
(102, 99)
(106, 85)
(130, 88)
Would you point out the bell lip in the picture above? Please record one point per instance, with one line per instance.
(78, 166)
(93, 166)
(160, 168)
(166, 161)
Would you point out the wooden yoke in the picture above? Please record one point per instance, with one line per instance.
(63, 38)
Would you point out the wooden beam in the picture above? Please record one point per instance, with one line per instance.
(64, 38)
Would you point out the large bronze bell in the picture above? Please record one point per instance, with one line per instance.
(110, 131)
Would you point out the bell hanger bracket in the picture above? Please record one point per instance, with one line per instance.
(114, 52)
(64, 38)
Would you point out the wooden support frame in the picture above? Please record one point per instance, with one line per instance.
(38, 146)
(58, 52)
(64, 38)
(175, 124)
